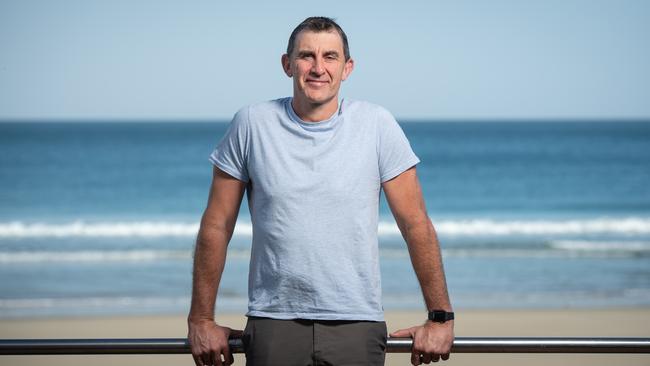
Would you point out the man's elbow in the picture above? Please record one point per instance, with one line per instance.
(215, 228)
(415, 225)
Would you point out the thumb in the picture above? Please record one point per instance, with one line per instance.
(408, 332)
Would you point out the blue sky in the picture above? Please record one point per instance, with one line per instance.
(420, 59)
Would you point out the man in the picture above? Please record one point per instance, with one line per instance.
(312, 169)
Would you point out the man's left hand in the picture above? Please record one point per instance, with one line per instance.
(431, 341)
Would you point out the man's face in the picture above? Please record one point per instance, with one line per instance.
(317, 65)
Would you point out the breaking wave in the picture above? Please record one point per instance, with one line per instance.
(469, 227)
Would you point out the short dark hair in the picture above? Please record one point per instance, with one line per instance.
(319, 24)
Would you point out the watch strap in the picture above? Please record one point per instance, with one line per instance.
(440, 316)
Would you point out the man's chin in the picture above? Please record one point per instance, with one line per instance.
(319, 100)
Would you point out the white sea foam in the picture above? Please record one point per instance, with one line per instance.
(92, 256)
(106, 255)
(18, 229)
(556, 249)
(488, 227)
(602, 246)
(469, 227)
(624, 226)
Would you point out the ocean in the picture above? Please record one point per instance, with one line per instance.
(100, 218)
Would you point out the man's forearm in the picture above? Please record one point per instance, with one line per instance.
(424, 251)
(209, 261)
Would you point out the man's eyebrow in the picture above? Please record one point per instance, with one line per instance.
(304, 53)
(332, 53)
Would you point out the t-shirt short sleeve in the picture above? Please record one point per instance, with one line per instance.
(231, 153)
(394, 149)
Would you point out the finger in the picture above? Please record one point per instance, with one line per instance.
(415, 358)
(426, 358)
(224, 355)
(402, 333)
(221, 360)
(215, 358)
(227, 355)
(435, 358)
(206, 358)
(197, 360)
(445, 357)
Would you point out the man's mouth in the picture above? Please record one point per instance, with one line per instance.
(317, 82)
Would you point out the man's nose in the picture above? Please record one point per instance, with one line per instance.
(317, 66)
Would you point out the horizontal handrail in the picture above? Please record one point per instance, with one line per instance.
(395, 345)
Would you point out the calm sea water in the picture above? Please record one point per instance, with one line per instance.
(100, 218)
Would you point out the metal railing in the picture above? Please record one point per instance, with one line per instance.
(395, 345)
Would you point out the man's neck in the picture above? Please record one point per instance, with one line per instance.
(309, 112)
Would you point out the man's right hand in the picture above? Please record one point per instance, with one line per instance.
(209, 343)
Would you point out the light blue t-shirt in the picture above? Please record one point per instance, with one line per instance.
(313, 193)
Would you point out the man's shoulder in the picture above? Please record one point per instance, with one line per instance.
(258, 111)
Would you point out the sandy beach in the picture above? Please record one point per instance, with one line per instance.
(470, 323)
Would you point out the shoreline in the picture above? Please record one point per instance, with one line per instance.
(618, 322)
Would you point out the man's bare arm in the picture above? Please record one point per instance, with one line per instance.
(404, 196)
(208, 340)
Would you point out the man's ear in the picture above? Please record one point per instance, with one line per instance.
(347, 69)
(286, 65)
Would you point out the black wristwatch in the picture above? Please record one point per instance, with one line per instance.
(440, 316)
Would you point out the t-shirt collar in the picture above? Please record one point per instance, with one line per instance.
(313, 126)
